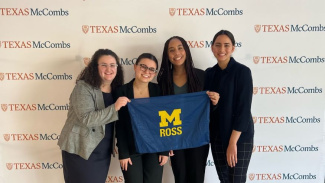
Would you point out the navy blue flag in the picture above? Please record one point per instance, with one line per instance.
(170, 122)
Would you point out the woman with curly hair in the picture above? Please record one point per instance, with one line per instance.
(87, 138)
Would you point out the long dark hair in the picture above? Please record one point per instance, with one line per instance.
(165, 75)
(91, 76)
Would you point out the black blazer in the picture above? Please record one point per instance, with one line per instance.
(124, 133)
(233, 111)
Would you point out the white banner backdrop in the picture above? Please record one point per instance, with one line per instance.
(44, 44)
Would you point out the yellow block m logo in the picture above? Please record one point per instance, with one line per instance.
(174, 116)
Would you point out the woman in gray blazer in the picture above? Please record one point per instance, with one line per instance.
(87, 138)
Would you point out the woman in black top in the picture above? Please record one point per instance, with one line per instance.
(138, 168)
(231, 123)
(177, 76)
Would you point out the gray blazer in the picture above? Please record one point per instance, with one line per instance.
(85, 124)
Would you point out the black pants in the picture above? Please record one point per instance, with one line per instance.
(145, 168)
(189, 164)
(238, 173)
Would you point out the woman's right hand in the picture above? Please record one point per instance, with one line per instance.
(124, 163)
(214, 97)
(171, 153)
(121, 102)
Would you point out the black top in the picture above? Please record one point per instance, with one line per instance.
(124, 133)
(233, 111)
(108, 100)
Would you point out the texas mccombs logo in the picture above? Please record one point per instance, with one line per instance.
(34, 107)
(284, 148)
(286, 90)
(115, 178)
(20, 44)
(110, 29)
(286, 119)
(165, 130)
(34, 166)
(287, 59)
(33, 12)
(31, 137)
(206, 44)
(2, 76)
(123, 61)
(15, 76)
(86, 61)
(289, 28)
(280, 176)
(205, 12)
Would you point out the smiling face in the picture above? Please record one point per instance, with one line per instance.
(144, 70)
(222, 49)
(107, 68)
(176, 52)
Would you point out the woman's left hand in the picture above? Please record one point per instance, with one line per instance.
(163, 160)
(214, 97)
(232, 155)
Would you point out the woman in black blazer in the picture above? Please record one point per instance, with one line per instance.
(138, 168)
(231, 123)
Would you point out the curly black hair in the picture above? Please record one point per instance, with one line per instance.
(91, 76)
